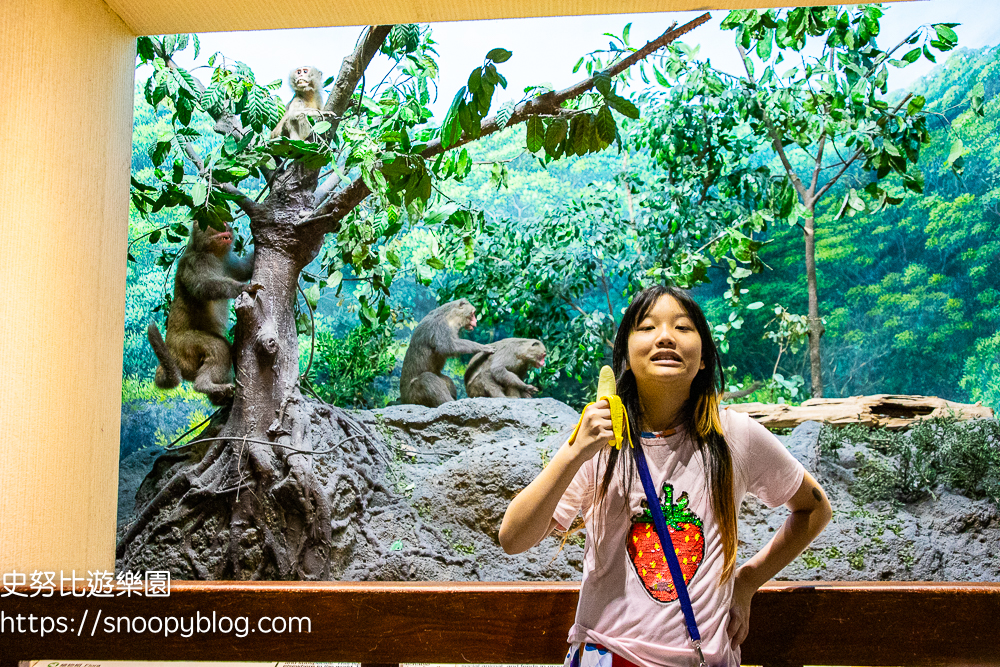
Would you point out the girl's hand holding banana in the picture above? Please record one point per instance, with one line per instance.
(602, 422)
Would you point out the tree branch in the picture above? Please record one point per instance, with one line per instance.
(343, 202)
(247, 205)
(859, 152)
(819, 162)
(228, 124)
(351, 70)
(775, 139)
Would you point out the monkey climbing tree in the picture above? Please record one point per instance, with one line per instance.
(280, 485)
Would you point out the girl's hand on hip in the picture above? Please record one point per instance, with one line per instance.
(739, 610)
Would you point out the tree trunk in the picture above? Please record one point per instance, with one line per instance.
(815, 323)
(279, 486)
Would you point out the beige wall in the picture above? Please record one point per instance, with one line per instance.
(66, 69)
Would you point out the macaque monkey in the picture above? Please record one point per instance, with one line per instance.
(502, 373)
(433, 341)
(307, 82)
(209, 274)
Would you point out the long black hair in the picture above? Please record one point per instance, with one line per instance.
(700, 414)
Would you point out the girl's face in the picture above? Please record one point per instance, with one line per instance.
(665, 347)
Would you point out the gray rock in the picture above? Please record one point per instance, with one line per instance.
(460, 465)
(436, 434)
(131, 471)
(803, 443)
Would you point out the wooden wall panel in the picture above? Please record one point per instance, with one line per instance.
(172, 16)
(792, 623)
(67, 69)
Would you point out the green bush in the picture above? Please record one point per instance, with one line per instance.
(137, 390)
(833, 438)
(962, 455)
(344, 369)
(982, 372)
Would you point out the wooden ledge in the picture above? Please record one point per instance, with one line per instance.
(793, 623)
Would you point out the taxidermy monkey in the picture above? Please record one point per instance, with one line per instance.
(433, 341)
(209, 274)
(307, 82)
(502, 374)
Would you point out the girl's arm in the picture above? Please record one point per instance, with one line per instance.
(811, 512)
(529, 516)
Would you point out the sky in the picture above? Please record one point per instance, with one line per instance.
(546, 49)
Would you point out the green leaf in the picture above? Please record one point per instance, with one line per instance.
(159, 151)
(321, 127)
(734, 18)
(213, 100)
(602, 82)
(915, 105)
(929, 55)
(464, 164)
(555, 133)
(623, 106)
(576, 69)
(912, 56)
(504, 113)
(465, 119)
(199, 191)
(312, 296)
(945, 33)
(976, 99)
(334, 279)
(475, 78)
(957, 151)
(535, 134)
(606, 127)
(451, 130)
(855, 201)
(755, 305)
(764, 46)
(435, 263)
(499, 55)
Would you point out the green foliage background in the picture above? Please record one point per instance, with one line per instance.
(909, 294)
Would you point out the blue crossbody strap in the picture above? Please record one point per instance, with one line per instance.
(668, 549)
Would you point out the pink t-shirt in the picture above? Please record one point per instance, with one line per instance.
(624, 572)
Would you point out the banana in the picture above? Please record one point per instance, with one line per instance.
(619, 418)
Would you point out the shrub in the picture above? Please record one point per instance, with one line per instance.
(963, 455)
(343, 369)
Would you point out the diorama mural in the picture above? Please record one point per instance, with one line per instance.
(361, 320)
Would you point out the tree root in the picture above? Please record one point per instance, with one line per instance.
(311, 502)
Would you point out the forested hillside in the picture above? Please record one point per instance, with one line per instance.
(909, 293)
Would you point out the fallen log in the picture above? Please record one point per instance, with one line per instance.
(891, 411)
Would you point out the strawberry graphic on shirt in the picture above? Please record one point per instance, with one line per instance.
(646, 552)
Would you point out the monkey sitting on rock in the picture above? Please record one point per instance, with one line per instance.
(209, 274)
(433, 341)
(307, 83)
(502, 373)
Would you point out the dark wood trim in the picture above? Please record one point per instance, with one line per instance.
(793, 623)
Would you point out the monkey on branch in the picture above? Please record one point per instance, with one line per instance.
(307, 102)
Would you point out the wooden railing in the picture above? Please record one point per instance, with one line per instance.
(792, 623)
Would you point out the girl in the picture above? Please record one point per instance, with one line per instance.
(701, 461)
